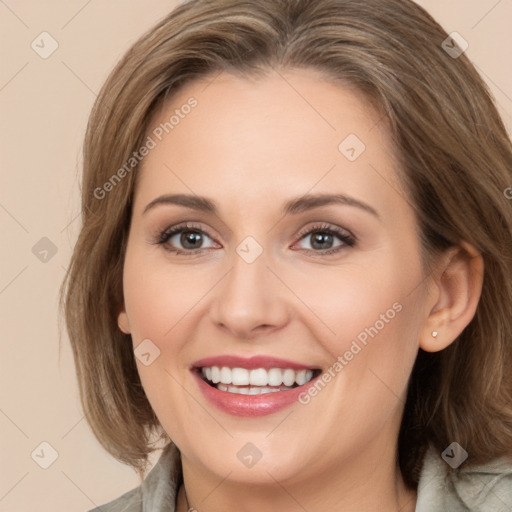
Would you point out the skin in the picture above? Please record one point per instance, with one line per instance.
(251, 145)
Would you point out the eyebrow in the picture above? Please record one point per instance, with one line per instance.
(291, 207)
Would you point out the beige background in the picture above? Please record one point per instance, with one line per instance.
(44, 105)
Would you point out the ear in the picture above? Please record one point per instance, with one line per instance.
(123, 322)
(457, 288)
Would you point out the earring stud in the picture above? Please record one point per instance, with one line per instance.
(434, 334)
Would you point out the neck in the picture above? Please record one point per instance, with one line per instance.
(366, 483)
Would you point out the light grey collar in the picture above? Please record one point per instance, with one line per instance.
(480, 488)
(160, 487)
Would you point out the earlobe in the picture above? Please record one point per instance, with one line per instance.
(459, 289)
(123, 323)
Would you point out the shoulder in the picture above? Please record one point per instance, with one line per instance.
(464, 488)
(131, 501)
(158, 490)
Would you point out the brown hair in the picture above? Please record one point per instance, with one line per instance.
(456, 160)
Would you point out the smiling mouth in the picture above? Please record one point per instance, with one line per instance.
(257, 381)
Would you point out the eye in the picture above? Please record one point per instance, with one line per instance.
(190, 237)
(323, 237)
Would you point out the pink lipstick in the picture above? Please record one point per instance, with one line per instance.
(254, 386)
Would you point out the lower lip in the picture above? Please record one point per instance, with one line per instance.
(250, 405)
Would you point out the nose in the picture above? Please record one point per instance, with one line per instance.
(250, 300)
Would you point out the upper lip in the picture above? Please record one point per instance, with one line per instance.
(260, 361)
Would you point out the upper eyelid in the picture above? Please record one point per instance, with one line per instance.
(326, 226)
(318, 226)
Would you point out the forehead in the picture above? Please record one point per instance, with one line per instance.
(288, 133)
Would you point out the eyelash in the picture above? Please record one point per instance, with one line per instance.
(348, 240)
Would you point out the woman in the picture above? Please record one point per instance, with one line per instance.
(294, 271)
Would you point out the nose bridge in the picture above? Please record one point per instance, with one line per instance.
(250, 296)
(249, 268)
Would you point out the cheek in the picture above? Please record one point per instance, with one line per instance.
(164, 303)
(352, 301)
(373, 310)
(160, 306)
(158, 297)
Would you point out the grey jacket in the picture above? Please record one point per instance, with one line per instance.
(485, 488)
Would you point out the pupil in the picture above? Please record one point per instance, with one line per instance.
(189, 237)
(319, 238)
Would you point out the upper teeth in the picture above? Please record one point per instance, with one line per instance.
(256, 377)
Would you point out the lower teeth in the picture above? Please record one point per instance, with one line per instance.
(251, 390)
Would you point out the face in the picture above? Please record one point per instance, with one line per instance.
(273, 276)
